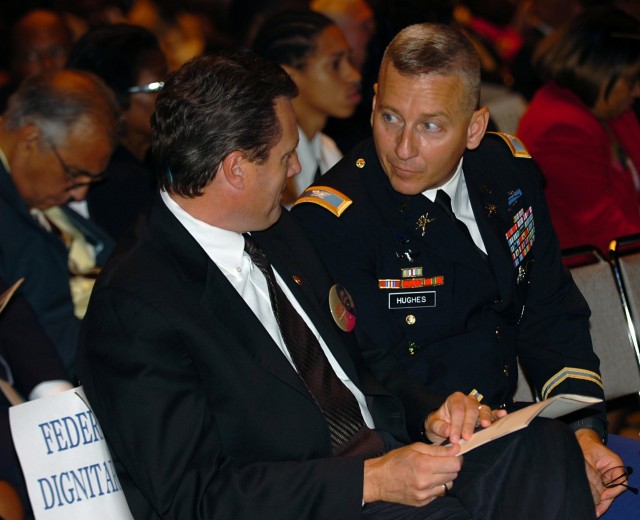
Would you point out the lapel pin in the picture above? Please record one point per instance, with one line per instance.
(297, 279)
(360, 162)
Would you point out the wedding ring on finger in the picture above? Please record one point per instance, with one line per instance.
(446, 490)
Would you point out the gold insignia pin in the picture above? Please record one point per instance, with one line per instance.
(422, 223)
(297, 279)
(491, 209)
(360, 163)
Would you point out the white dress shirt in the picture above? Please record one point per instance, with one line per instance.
(456, 188)
(226, 249)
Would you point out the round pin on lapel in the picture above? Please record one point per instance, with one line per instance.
(342, 308)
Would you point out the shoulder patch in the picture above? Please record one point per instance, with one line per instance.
(330, 199)
(515, 145)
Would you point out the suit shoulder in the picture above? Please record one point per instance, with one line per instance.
(515, 145)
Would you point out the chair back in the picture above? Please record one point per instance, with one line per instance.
(612, 333)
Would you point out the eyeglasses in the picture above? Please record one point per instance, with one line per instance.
(156, 86)
(618, 476)
(75, 173)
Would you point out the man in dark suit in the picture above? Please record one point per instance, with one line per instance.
(443, 236)
(56, 137)
(223, 385)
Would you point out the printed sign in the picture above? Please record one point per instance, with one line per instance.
(65, 459)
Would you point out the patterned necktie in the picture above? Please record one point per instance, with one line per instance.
(349, 433)
(444, 202)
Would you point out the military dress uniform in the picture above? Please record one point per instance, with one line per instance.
(457, 318)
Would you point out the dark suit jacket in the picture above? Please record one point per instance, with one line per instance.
(467, 330)
(204, 416)
(27, 250)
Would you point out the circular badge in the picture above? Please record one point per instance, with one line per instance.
(342, 308)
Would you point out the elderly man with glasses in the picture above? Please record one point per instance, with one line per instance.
(56, 138)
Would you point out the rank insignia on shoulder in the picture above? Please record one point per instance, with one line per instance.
(515, 145)
(330, 199)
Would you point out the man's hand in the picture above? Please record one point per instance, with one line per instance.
(598, 458)
(413, 475)
(458, 417)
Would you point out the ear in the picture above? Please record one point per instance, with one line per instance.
(477, 127)
(373, 103)
(233, 169)
(290, 70)
(29, 135)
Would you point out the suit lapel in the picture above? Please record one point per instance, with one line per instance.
(219, 299)
(291, 268)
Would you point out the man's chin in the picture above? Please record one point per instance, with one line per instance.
(405, 188)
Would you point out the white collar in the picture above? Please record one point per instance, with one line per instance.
(450, 187)
(224, 247)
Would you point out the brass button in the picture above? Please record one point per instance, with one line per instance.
(498, 335)
(410, 319)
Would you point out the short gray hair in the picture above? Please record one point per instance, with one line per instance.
(436, 49)
(56, 101)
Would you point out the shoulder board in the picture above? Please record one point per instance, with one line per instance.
(330, 199)
(515, 145)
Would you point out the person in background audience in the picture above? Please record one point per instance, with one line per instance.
(56, 137)
(39, 42)
(129, 60)
(316, 55)
(581, 130)
(357, 20)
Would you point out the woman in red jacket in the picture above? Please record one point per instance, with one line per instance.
(581, 129)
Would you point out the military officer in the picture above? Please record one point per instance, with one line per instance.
(441, 233)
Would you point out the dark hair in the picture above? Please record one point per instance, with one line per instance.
(214, 105)
(56, 101)
(289, 37)
(590, 53)
(436, 49)
(117, 53)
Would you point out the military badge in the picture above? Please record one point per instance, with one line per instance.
(422, 223)
(521, 235)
